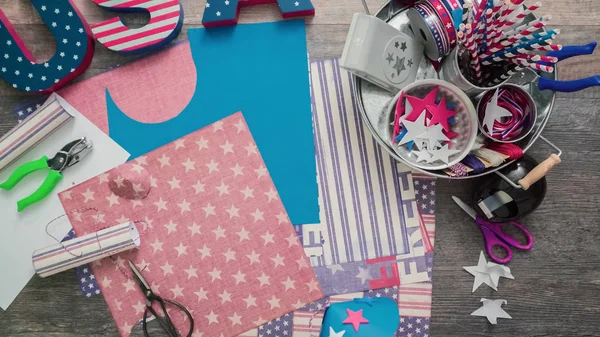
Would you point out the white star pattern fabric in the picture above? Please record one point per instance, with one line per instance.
(214, 238)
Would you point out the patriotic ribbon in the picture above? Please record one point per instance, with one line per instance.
(521, 120)
(435, 25)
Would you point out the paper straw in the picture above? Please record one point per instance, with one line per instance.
(541, 58)
(31, 131)
(478, 22)
(521, 49)
(489, 28)
(523, 15)
(473, 50)
(541, 35)
(511, 42)
(535, 23)
(512, 5)
(92, 247)
(535, 66)
(499, 23)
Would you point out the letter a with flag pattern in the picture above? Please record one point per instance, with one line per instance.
(166, 20)
(74, 49)
(226, 12)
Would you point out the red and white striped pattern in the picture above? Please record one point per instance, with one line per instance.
(523, 14)
(307, 324)
(429, 221)
(473, 50)
(531, 27)
(533, 65)
(114, 35)
(414, 300)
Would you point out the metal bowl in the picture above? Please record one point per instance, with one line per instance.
(374, 101)
(465, 126)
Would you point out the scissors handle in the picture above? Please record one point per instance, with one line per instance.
(494, 236)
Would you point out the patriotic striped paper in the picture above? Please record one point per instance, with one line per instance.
(92, 247)
(166, 20)
(47, 119)
(359, 192)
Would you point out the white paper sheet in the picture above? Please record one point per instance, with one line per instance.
(22, 233)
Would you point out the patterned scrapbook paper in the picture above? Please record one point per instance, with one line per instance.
(372, 235)
(408, 278)
(215, 236)
(359, 193)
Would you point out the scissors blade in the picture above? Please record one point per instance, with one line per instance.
(141, 280)
(465, 207)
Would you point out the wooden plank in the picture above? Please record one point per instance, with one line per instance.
(557, 284)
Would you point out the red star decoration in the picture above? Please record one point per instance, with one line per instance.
(450, 134)
(440, 114)
(418, 105)
(355, 318)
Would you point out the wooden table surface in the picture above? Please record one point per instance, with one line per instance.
(557, 286)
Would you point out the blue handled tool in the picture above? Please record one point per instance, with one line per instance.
(570, 86)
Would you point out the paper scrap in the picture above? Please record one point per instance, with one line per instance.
(208, 224)
(488, 273)
(442, 154)
(22, 233)
(492, 309)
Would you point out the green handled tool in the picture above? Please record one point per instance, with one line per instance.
(68, 156)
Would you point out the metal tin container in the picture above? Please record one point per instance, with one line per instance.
(374, 102)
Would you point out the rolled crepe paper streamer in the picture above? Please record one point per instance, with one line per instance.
(34, 129)
(89, 248)
(166, 20)
(74, 49)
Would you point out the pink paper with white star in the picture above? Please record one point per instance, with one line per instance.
(214, 235)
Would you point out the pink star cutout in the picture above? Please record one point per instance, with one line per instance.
(440, 114)
(418, 105)
(355, 318)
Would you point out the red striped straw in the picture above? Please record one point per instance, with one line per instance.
(473, 50)
(499, 23)
(526, 57)
(522, 50)
(524, 14)
(551, 47)
(489, 16)
(538, 24)
(478, 22)
(512, 5)
(512, 41)
(532, 65)
(542, 58)
(495, 30)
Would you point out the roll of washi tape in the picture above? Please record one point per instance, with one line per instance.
(34, 129)
(89, 248)
(446, 16)
(429, 29)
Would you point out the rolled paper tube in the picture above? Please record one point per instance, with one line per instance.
(31, 131)
(89, 248)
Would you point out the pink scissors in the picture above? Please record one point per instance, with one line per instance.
(494, 236)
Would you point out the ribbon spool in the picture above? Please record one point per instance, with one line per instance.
(432, 24)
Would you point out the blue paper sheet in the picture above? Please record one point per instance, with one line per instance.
(261, 70)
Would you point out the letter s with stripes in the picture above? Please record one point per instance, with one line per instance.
(166, 20)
